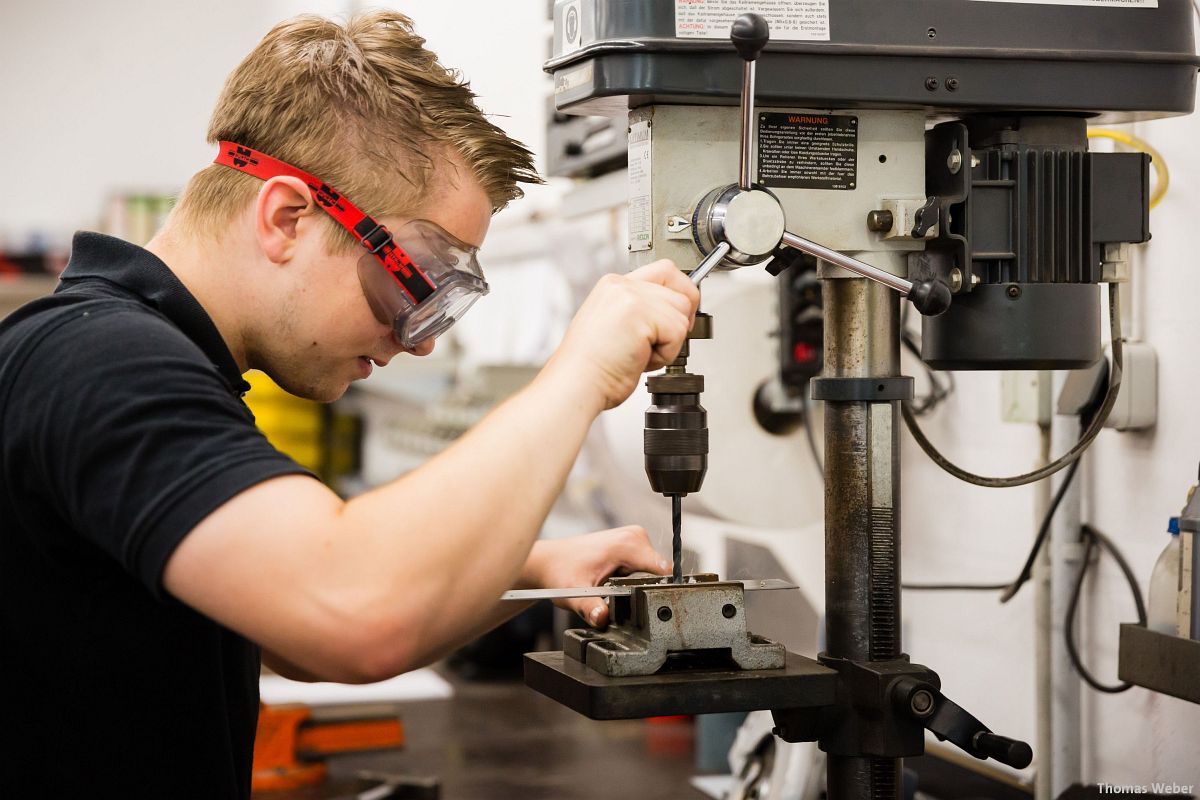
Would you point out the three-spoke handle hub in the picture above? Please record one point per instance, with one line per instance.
(744, 224)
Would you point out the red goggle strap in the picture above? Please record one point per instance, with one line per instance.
(369, 233)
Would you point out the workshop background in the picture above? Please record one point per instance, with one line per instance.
(102, 118)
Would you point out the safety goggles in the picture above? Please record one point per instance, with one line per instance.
(419, 279)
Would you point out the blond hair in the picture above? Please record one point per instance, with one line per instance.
(363, 107)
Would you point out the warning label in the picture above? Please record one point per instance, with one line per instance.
(807, 151)
(790, 20)
(1104, 3)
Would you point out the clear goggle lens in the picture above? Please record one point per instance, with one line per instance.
(450, 264)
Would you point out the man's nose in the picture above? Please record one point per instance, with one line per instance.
(422, 349)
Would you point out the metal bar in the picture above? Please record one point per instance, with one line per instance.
(624, 591)
(844, 261)
(747, 158)
(710, 261)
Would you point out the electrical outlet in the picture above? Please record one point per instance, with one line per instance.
(1137, 401)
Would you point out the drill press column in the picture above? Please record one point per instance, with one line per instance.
(862, 503)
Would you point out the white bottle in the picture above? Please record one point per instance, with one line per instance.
(1164, 586)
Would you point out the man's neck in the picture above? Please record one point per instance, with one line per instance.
(199, 264)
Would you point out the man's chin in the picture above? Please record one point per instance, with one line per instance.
(323, 392)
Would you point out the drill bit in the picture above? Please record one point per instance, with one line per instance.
(676, 539)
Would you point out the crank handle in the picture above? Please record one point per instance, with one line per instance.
(930, 297)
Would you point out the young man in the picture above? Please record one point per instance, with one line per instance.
(152, 541)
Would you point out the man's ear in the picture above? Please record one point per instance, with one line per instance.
(281, 202)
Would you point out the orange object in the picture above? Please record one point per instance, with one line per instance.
(289, 745)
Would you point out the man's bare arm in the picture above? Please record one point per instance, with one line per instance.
(357, 591)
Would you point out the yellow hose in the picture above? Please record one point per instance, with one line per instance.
(1163, 177)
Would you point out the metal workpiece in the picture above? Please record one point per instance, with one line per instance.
(692, 624)
(624, 590)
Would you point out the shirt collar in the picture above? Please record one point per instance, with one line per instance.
(145, 275)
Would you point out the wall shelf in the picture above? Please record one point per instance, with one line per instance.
(1159, 661)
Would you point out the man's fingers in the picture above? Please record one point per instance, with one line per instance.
(666, 274)
(670, 332)
(593, 610)
(636, 554)
(681, 303)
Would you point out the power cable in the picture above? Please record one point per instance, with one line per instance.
(1043, 531)
(1068, 458)
(1011, 588)
(1093, 538)
(954, 587)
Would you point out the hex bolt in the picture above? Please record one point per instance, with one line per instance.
(1014, 291)
(931, 83)
(954, 161)
(956, 279)
(880, 221)
(921, 702)
(729, 611)
(664, 613)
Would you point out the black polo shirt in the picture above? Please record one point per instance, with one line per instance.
(121, 427)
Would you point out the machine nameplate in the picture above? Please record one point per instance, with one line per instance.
(641, 226)
(807, 151)
(790, 20)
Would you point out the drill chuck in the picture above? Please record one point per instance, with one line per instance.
(676, 435)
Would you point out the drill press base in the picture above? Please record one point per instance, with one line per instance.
(800, 683)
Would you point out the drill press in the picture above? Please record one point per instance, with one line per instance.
(998, 207)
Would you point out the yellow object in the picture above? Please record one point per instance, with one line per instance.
(294, 426)
(1142, 146)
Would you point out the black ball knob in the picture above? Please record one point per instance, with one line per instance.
(931, 297)
(749, 35)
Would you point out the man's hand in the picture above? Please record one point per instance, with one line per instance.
(588, 560)
(628, 325)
